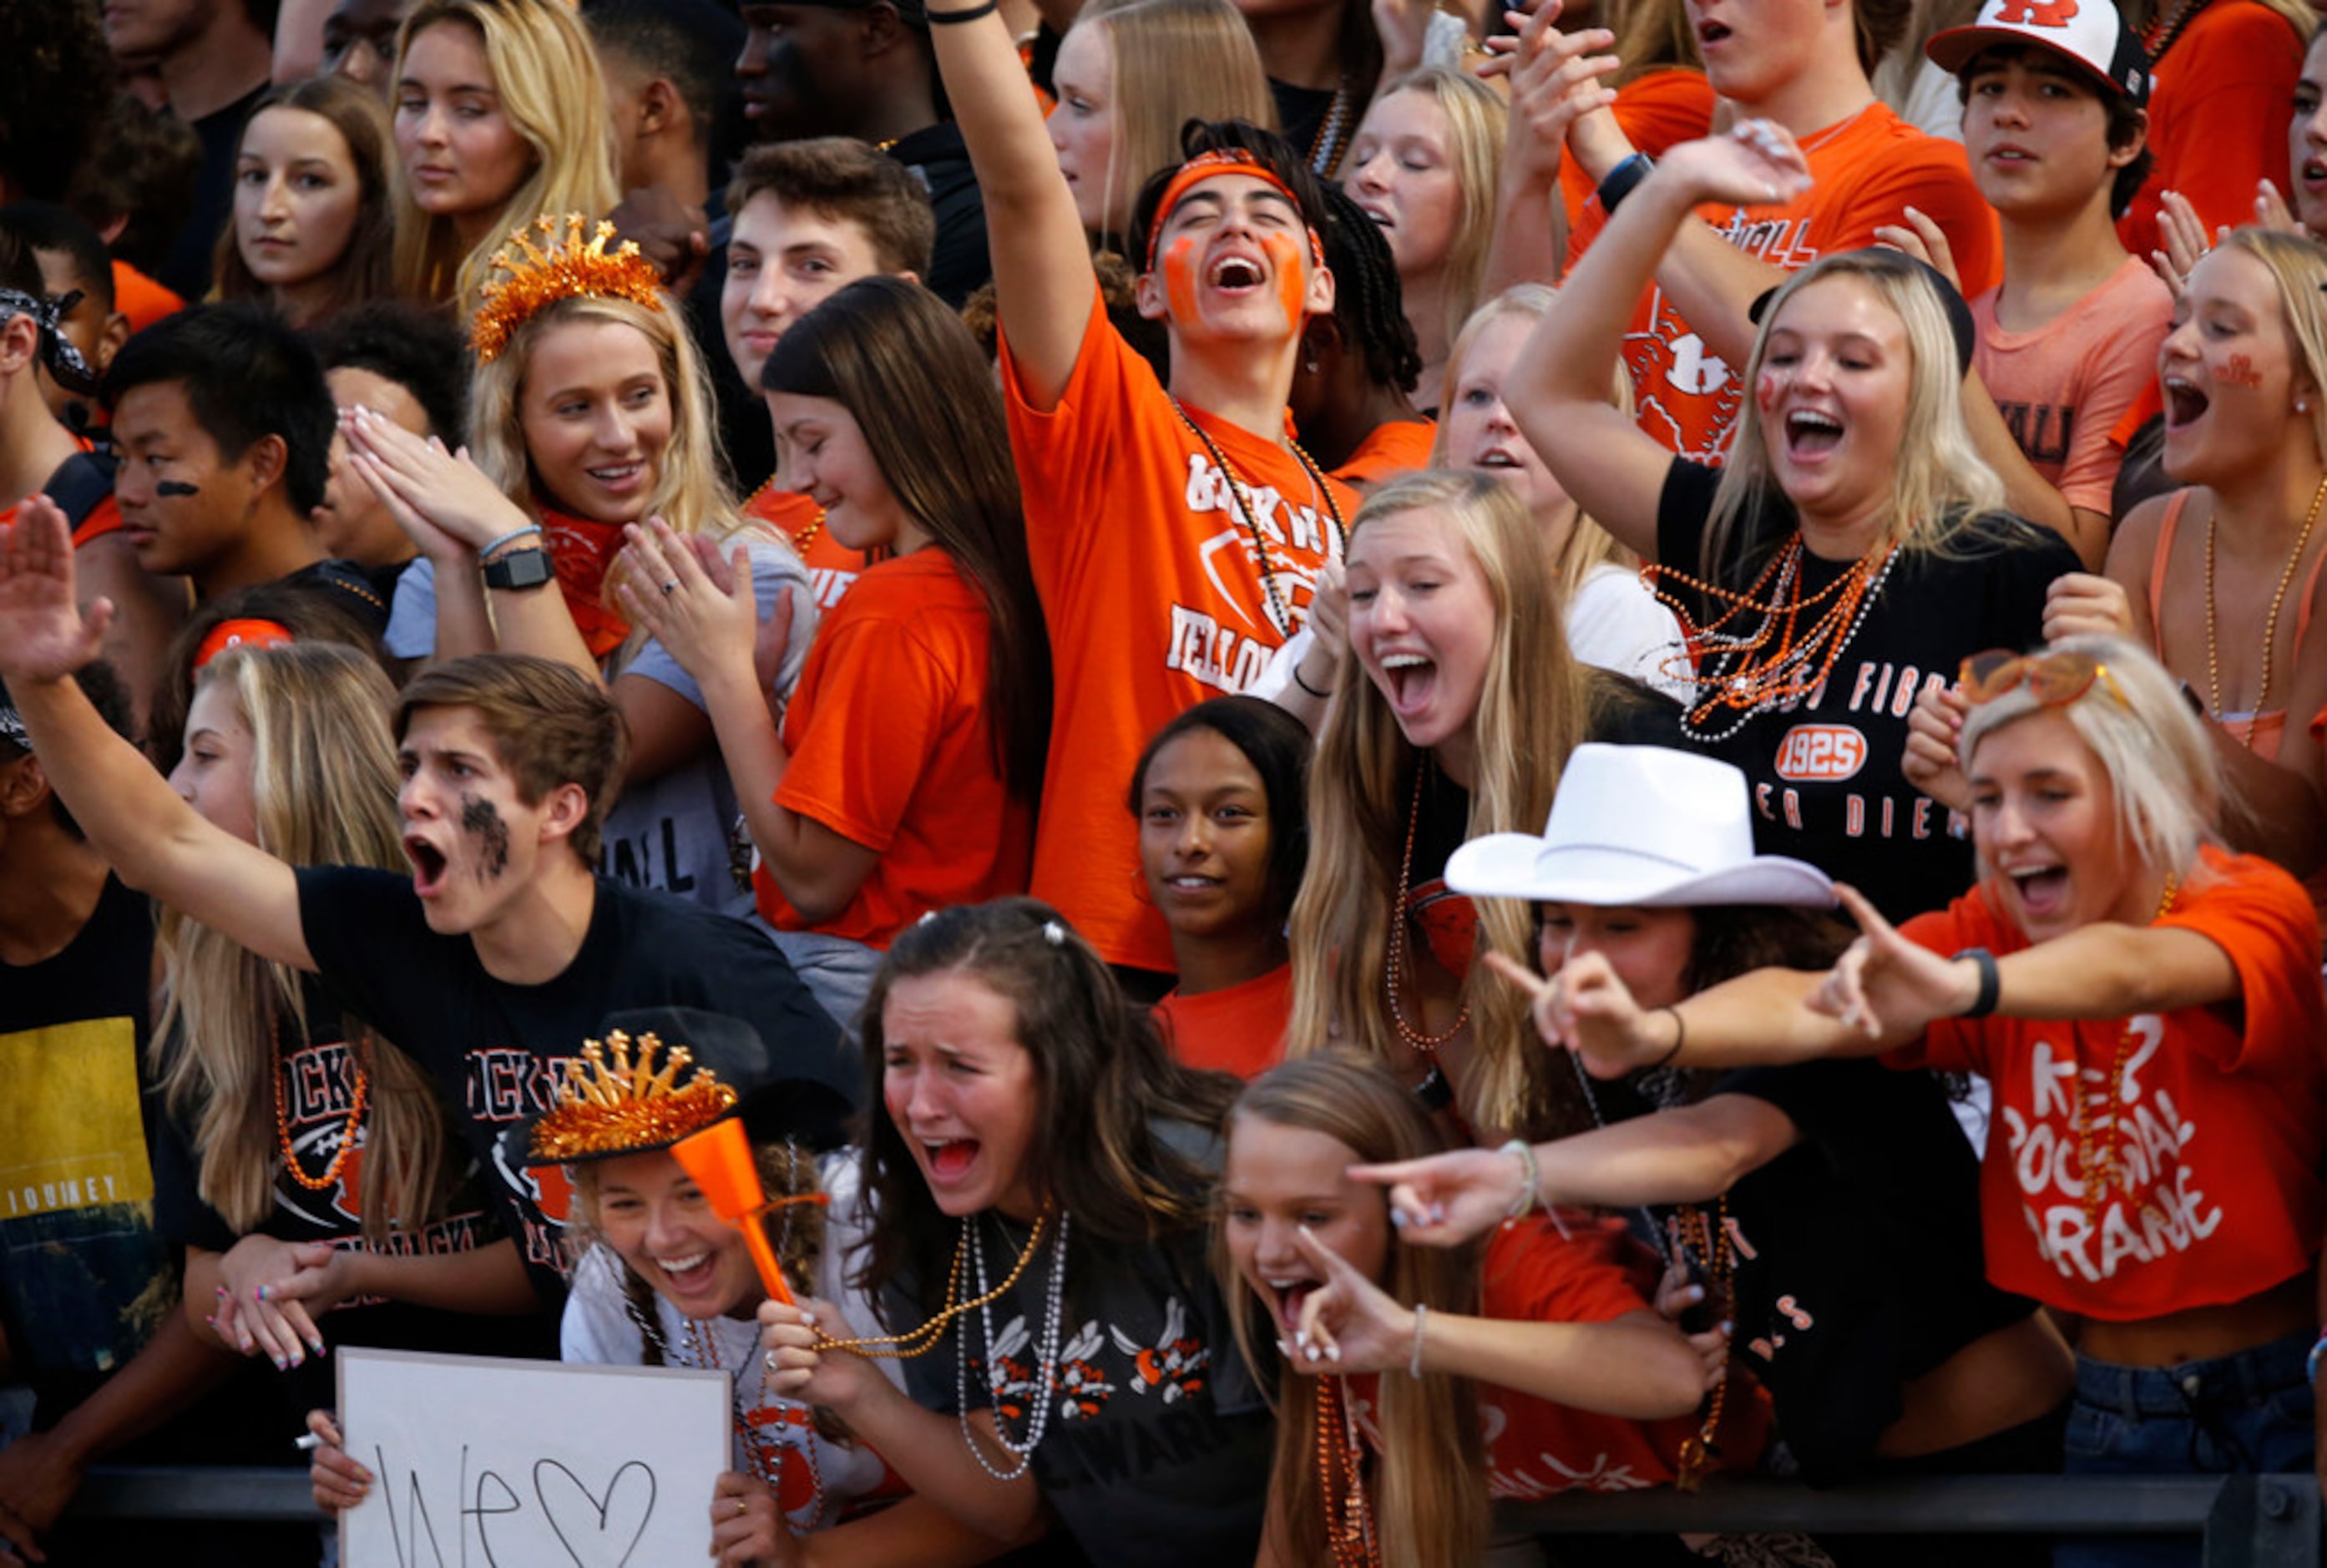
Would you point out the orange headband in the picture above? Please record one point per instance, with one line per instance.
(229, 634)
(1210, 166)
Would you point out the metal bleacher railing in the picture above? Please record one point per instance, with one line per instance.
(2246, 1521)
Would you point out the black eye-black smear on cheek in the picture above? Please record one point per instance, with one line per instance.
(177, 487)
(481, 821)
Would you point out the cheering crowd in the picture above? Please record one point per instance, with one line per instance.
(1395, 757)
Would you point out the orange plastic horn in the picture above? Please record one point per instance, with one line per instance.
(720, 1160)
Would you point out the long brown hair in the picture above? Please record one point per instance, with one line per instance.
(912, 377)
(1104, 1079)
(363, 271)
(1427, 1486)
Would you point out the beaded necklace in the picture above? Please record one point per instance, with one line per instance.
(1776, 662)
(921, 1341)
(1689, 1232)
(2270, 626)
(998, 1379)
(1342, 1482)
(806, 537)
(768, 1472)
(2101, 1169)
(1280, 614)
(1400, 954)
(350, 1129)
(2166, 29)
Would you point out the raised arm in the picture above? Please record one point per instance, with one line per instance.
(1559, 386)
(154, 840)
(1042, 277)
(1553, 80)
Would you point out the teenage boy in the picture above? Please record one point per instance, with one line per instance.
(1803, 64)
(500, 952)
(809, 219)
(410, 365)
(223, 424)
(2053, 122)
(1175, 530)
(73, 261)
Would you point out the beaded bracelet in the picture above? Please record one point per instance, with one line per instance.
(1524, 1204)
(511, 538)
(1414, 1361)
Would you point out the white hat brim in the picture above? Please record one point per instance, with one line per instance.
(1520, 865)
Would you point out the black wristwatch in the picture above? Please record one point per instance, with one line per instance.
(519, 570)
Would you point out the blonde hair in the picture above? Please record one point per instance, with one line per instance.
(1175, 60)
(1427, 1477)
(325, 780)
(1940, 485)
(1538, 703)
(553, 94)
(2297, 265)
(1588, 545)
(1476, 119)
(690, 492)
(2164, 774)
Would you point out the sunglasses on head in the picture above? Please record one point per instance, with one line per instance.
(2055, 680)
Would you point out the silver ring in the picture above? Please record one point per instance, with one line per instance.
(668, 586)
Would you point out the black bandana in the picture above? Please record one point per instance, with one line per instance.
(63, 360)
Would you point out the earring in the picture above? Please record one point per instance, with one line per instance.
(1310, 365)
(2303, 404)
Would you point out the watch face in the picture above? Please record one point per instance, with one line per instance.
(525, 569)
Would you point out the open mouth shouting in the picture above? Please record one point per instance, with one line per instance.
(1285, 1293)
(2043, 892)
(1409, 680)
(1811, 434)
(429, 865)
(2186, 402)
(1236, 275)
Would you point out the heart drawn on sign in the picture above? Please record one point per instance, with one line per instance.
(596, 1533)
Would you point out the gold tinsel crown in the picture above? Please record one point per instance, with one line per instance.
(576, 269)
(614, 1102)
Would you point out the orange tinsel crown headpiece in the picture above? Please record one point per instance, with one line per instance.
(576, 269)
(614, 1102)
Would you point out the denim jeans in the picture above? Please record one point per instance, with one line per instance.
(2249, 1414)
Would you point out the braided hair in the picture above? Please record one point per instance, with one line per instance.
(1368, 300)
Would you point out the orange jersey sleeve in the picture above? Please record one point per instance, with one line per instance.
(2218, 119)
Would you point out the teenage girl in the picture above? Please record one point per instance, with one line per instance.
(589, 412)
(1223, 842)
(500, 113)
(313, 226)
(904, 775)
(660, 1281)
(1454, 648)
(2147, 1009)
(1040, 1170)
(1417, 1386)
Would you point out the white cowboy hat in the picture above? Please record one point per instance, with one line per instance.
(1640, 827)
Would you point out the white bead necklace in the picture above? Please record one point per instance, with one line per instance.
(996, 1379)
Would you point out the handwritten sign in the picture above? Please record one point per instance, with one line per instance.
(480, 1462)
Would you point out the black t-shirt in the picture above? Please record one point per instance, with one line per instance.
(1157, 1446)
(186, 266)
(1858, 1257)
(81, 1265)
(961, 265)
(316, 1077)
(498, 1050)
(1825, 773)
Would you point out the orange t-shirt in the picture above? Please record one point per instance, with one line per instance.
(1238, 1030)
(893, 747)
(832, 565)
(1659, 110)
(1593, 1275)
(140, 298)
(1864, 172)
(2220, 1118)
(2063, 387)
(2218, 119)
(1153, 587)
(1400, 446)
